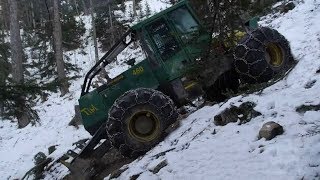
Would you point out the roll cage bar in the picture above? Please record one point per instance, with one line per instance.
(108, 58)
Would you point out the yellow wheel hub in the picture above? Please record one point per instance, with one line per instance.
(144, 126)
(275, 55)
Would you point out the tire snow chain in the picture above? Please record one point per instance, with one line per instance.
(116, 105)
(243, 44)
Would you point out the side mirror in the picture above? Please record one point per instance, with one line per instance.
(252, 23)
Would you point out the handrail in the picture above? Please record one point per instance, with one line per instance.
(104, 61)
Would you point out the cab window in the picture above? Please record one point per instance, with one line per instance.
(184, 22)
(163, 39)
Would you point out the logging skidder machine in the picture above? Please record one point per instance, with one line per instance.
(132, 111)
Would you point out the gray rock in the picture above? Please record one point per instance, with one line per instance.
(288, 7)
(76, 120)
(245, 112)
(134, 177)
(161, 165)
(270, 130)
(117, 173)
(51, 149)
(304, 108)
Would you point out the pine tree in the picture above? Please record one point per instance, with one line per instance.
(72, 30)
(108, 27)
(17, 60)
(148, 9)
(4, 68)
(141, 12)
(134, 8)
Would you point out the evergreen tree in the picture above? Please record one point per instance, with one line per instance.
(72, 30)
(141, 12)
(148, 9)
(108, 27)
(37, 38)
(17, 61)
(4, 68)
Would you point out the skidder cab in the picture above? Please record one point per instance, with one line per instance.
(133, 110)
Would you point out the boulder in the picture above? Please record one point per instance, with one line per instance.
(245, 112)
(76, 120)
(288, 7)
(270, 130)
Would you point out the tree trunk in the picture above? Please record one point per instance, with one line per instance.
(4, 14)
(57, 38)
(76, 6)
(33, 15)
(103, 74)
(17, 60)
(134, 6)
(111, 25)
(94, 32)
(85, 9)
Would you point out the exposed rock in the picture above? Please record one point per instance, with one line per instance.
(265, 2)
(305, 108)
(318, 71)
(284, 7)
(51, 149)
(245, 112)
(76, 120)
(288, 7)
(270, 130)
(40, 161)
(161, 165)
(163, 153)
(117, 173)
(310, 84)
(134, 177)
(39, 158)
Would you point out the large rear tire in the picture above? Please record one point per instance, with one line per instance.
(261, 55)
(138, 120)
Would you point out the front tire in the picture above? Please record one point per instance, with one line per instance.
(138, 119)
(261, 55)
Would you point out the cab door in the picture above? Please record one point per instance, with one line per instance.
(193, 37)
(169, 52)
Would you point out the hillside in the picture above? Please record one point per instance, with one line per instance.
(198, 149)
(201, 150)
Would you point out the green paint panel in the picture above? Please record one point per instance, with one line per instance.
(95, 105)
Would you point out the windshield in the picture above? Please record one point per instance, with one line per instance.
(183, 20)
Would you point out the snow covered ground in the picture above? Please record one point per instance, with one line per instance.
(199, 149)
(205, 151)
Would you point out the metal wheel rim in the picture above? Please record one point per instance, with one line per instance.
(144, 126)
(274, 55)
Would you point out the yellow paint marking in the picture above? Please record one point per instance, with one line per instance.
(89, 111)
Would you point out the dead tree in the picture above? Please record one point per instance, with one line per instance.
(94, 32)
(57, 38)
